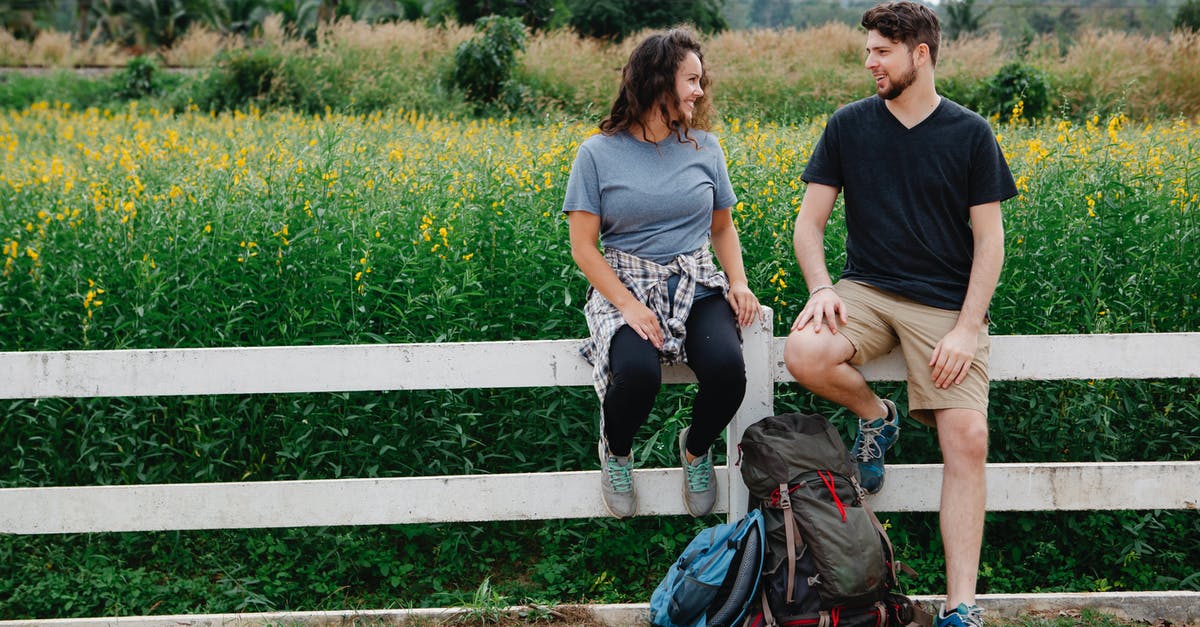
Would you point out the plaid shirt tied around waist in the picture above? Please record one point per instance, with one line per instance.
(647, 281)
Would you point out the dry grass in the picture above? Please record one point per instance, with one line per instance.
(199, 47)
(800, 71)
(1146, 76)
(13, 51)
(587, 70)
(975, 58)
(404, 40)
(53, 49)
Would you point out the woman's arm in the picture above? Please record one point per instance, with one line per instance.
(585, 232)
(728, 248)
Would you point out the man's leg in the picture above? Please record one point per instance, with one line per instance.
(963, 437)
(821, 363)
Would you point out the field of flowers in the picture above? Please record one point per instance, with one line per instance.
(139, 228)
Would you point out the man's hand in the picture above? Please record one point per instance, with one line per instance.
(952, 356)
(824, 307)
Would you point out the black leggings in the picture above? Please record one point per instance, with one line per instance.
(714, 353)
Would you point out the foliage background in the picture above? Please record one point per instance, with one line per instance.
(138, 228)
(334, 186)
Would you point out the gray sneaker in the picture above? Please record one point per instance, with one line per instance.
(699, 480)
(616, 482)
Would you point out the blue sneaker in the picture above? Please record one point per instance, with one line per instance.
(874, 439)
(963, 616)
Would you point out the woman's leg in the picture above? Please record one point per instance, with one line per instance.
(636, 377)
(714, 353)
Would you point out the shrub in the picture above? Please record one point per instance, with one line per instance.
(1188, 16)
(140, 78)
(242, 76)
(483, 65)
(1015, 83)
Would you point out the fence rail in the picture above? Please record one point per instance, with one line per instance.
(553, 495)
(302, 369)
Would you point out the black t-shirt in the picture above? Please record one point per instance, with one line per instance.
(908, 194)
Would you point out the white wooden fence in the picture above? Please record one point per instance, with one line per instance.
(557, 495)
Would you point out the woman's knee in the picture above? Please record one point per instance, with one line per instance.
(638, 374)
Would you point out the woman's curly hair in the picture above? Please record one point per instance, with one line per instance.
(648, 83)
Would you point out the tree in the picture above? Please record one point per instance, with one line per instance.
(536, 14)
(617, 19)
(1188, 16)
(963, 18)
(484, 64)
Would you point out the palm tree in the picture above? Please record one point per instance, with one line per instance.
(963, 18)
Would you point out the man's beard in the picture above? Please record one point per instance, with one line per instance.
(898, 86)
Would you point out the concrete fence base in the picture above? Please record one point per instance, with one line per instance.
(1178, 609)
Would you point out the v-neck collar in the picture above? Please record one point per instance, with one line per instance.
(941, 103)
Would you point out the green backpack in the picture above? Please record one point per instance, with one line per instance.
(826, 552)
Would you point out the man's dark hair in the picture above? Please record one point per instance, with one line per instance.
(648, 82)
(909, 23)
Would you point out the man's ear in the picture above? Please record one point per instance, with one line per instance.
(921, 54)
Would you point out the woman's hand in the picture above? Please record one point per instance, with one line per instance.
(744, 303)
(642, 320)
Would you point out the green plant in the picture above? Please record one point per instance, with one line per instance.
(484, 64)
(279, 227)
(140, 78)
(241, 78)
(1015, 83)
(1187, 17)
(963, 18)
(617, 19)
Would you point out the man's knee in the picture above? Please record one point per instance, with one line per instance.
(809, 356)
(963, 435)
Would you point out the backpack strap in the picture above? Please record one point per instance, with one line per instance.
(883, 534)
(768, 617)
(789, 527)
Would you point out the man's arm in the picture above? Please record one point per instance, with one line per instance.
(808, 240)
(953, 355)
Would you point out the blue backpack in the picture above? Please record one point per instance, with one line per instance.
(715, 579)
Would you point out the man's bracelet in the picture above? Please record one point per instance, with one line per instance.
(819, 288)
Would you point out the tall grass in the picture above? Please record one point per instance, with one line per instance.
(784, 76)
(135, 228)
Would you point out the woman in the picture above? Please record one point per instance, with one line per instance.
(653, 189)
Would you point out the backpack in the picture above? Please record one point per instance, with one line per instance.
(828, 560)
(714, 581)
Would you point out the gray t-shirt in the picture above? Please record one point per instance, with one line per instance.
(655, 201)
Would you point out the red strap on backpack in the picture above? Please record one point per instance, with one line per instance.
(827, 479)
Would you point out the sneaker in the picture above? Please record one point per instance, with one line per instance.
(699, 480)
(963, 616)
(874, 439)
(616, 482)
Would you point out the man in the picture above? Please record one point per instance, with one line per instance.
(923, 179)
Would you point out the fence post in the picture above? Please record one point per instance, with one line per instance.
(759, 403)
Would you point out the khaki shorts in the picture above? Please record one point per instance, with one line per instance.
(879, 320)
